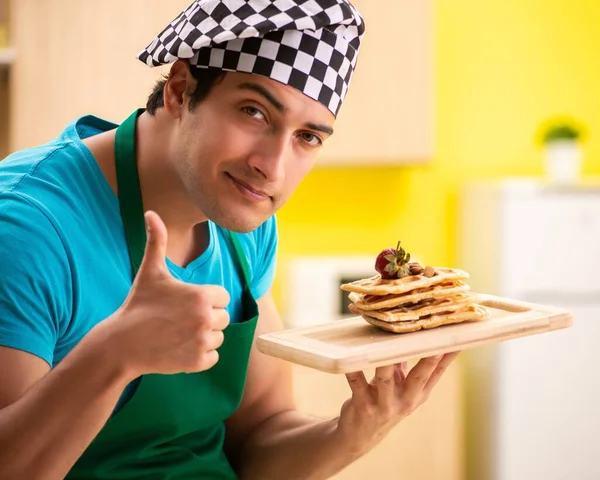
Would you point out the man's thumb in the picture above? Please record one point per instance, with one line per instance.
(154, 264)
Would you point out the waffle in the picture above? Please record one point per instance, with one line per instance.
(378, 302)
(415, 311)
(414, 302)
(468, 313)
(376, 285)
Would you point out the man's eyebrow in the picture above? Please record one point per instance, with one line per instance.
(320, 128)
(255, 87)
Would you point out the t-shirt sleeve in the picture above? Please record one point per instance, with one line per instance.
(34, 279)
(266, 254)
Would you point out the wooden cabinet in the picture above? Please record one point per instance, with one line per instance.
(387, 117)
(427, 445)
(4, 108)
(6, 58)
(78, 56)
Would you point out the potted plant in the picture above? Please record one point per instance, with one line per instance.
(562, 139)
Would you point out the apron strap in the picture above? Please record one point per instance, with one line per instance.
(241, 258)
(130, 198)
(129, 191)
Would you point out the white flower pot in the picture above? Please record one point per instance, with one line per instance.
(563, 161)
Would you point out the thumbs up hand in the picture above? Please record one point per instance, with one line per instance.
(165, 325)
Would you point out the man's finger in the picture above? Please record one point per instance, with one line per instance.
(359, 386)
(400, 370)
(221, 319)
(386, 386)
(214, 340)
(154, 264)
(219, 296)
(439, 370)
(417, 378)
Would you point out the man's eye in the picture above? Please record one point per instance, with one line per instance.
(254, 112)
(311, 139)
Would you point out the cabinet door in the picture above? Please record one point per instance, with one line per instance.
(387, 115)
(4, 112)
(76, 57)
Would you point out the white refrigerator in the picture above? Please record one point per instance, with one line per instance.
(533, 404)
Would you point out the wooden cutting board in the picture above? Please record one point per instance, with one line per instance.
(350, 345)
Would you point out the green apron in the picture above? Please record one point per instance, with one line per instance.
(172, 428)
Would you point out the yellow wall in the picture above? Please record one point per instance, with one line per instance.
(502, 68)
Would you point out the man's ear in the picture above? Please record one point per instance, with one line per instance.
(178, 88)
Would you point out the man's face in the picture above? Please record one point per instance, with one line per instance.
(245, 148)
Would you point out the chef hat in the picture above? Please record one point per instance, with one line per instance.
(311, 45)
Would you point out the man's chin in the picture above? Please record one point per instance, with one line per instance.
(237, 224)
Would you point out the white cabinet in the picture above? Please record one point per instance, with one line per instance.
(552, 242)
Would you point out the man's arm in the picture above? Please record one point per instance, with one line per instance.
(266, 434)
(48, 418)
(268, 439)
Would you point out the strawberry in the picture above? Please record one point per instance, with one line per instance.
(393, 263)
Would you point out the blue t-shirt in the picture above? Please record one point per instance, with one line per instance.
(64, 262)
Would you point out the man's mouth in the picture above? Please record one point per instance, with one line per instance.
(248, 190)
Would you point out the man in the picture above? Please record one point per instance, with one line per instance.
(137, 261)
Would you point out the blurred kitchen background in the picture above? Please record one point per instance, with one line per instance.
(471, 133)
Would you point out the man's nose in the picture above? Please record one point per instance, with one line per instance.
(270, 156)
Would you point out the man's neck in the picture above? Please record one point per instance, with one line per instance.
(162, 189)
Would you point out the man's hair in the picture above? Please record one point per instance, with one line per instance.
(205, 80)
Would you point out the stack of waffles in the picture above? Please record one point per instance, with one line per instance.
(437, 296)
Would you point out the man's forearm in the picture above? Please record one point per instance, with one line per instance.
(296, 447)
(44, 432)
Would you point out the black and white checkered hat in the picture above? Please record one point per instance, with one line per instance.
(311, 45)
